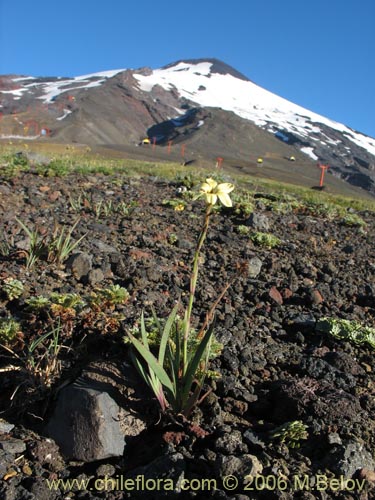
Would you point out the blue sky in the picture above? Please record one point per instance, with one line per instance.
(318, 54)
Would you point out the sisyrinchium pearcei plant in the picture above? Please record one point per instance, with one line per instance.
(178, 371)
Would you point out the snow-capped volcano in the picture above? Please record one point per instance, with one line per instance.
(203, 102)
(198, 82)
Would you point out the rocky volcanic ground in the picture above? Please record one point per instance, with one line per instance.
(277, 367)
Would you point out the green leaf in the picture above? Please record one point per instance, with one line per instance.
(158, 391)
(143, 331)
(152, 362)
(166, 334)
(139, 367)
(194, 363)
(41, 339)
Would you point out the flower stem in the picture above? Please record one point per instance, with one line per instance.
(193, 283)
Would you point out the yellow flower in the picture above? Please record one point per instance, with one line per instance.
(179, 208)
(212, 191)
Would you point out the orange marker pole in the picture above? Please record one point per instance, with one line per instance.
(183, 150)
(169, 146)
(323, 169)
(153, 142)
(219, 161)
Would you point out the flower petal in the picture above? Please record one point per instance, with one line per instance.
(225, 200)
(211, 182)
(225, 187)
(211, 198)
(206, 188)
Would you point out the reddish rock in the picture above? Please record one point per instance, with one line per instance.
(316, 297)
(368, 475)
(174, 437)
(287, 293)
(54, 195)
(276, 295)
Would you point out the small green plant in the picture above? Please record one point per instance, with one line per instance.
(42, 359)
(176, 373)
(244, 209)
(109, 297)
(62, 244)
(12, 288)
(189, 181)
(177, 204)
(324, 209)
(344, 329)
(126, 209)
(242, 229)
(39, 362)
(13, 163)
(243, 204)
(265, 240)
(66, 300)
(54, 248)
(114, 294)
(353, 220)
(37, 245)
(172, 238)
(104, 208)
(80, 203)
(9, 328)
(290, 433)
(285, 205)
(19, 160)
(152, 325)
(5, 245)
(37, 303)
(59, 167)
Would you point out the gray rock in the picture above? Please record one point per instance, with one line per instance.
(14, 491)
(229, 465)
(334, 438)
(302, 322)
(13, 446)
(347, 459)
(5, 427)
(104, 247)
(185, 244)
(260, 222)
(95, 276)
(254, 267)
(106, 470)
(229, 443)
(80, 264)
(318, 368)
(167, 467)
(239, 466)
(253, 440)
(6, 460)
(85, 424)
(39, 488)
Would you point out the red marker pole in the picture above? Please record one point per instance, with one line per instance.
(169, 146)
(183, 150)
(323, 169)
(153, 142)
(219, 161)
